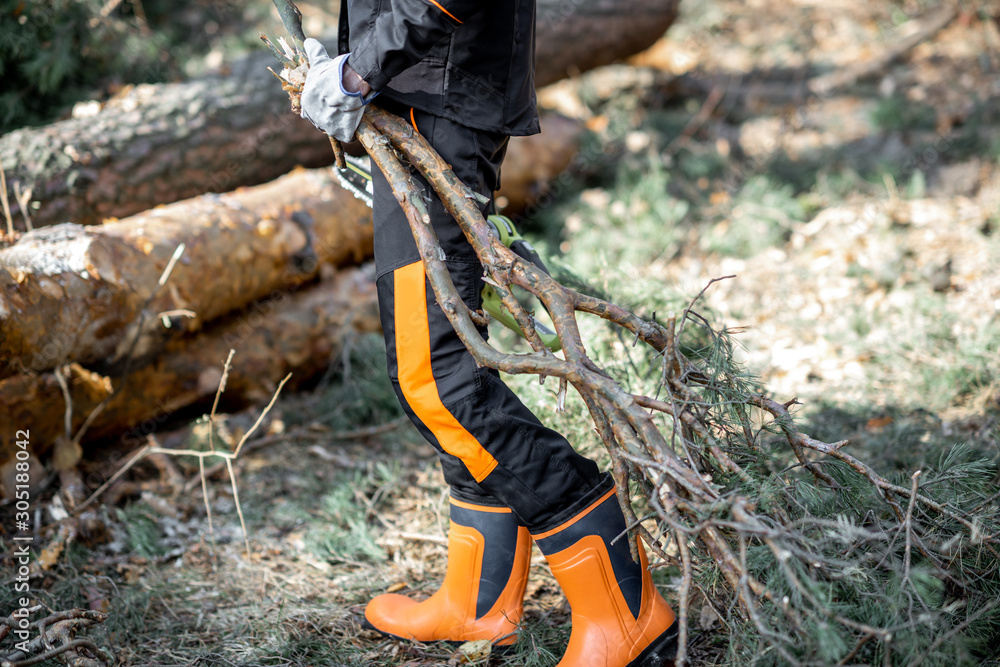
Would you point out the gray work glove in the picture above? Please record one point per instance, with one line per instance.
(325, 101)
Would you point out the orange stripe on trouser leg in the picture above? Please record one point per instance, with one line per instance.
(442, 8)
(416, 378)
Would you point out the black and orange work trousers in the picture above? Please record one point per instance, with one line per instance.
(493, 450)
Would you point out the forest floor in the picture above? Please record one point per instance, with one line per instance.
(860, 224)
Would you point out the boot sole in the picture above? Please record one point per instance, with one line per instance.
(660, 652)
(501, 649)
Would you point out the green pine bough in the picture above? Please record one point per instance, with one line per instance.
(793, 550)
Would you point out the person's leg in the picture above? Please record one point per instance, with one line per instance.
(491, 446)
(488, 547)
(493, 450)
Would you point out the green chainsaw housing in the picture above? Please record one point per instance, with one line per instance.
(510, 237)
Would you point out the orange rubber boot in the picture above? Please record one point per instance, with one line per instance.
(482, 594)
(619, 618)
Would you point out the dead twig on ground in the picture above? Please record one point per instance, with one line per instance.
(6, 204)
(779, 89)
(151, 449)
(56, 639)
(924, 29)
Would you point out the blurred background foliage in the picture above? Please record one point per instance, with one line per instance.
(54, 53)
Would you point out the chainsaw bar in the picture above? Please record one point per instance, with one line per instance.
(357, 178)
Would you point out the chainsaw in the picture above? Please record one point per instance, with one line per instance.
(357, 179)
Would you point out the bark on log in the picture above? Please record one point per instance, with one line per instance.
(159, 144)
(533, 163)
(74, 294)
(577, 35)
(300, 332)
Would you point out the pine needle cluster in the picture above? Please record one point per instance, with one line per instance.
(839, 565)
(59, 52)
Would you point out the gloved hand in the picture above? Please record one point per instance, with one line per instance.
(325, 102)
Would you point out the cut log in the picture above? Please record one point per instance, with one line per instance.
(300, 331)
(158, 144)
(74, 294)
(533, 163)
(574, 36)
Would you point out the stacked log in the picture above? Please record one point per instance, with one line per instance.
(298, 331)
(156, 144)
(70, 293)
(89, 298)
(75, 293)
(533, 163)
(578, 35)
